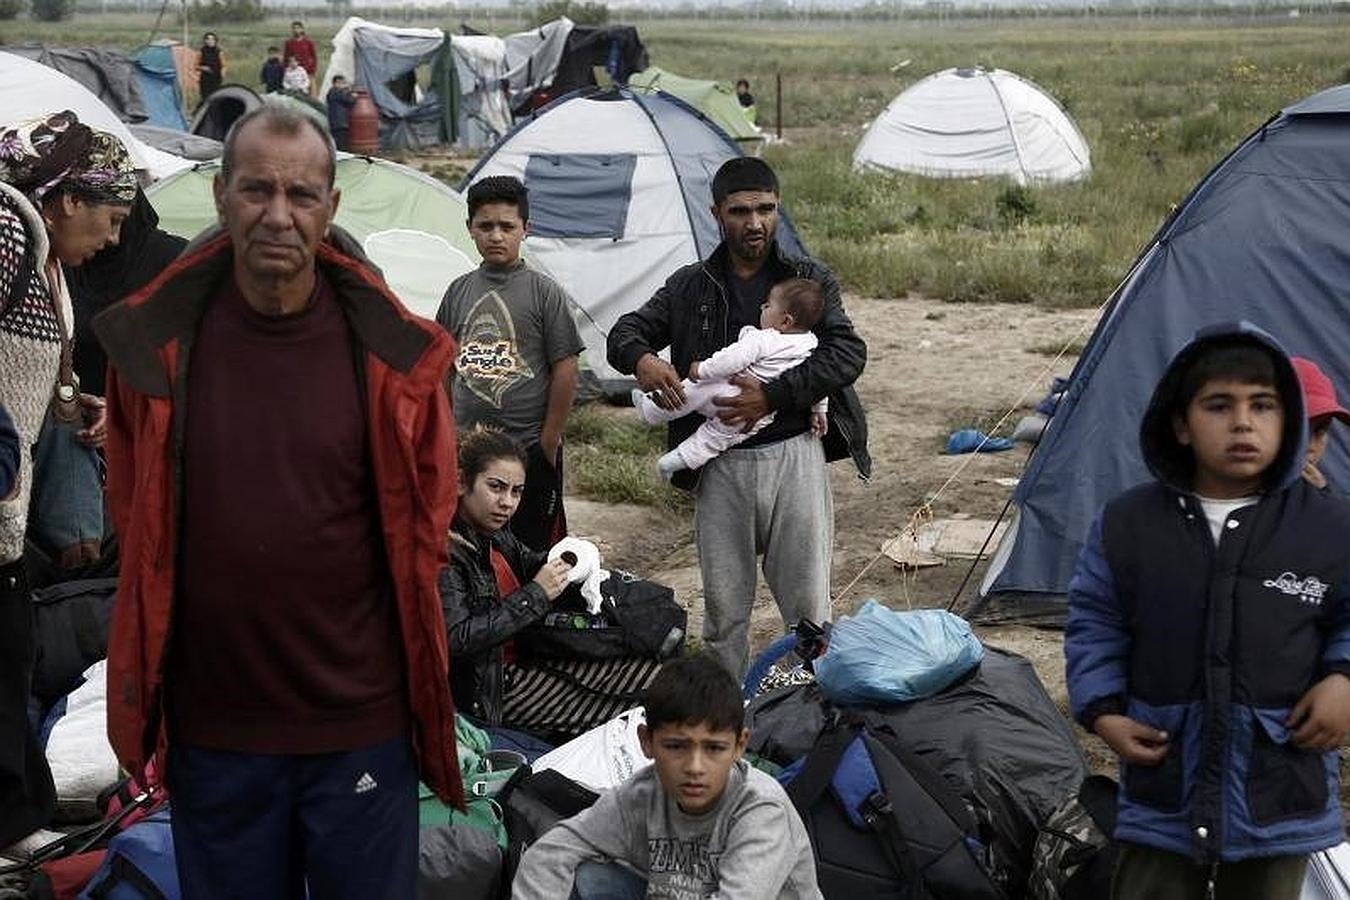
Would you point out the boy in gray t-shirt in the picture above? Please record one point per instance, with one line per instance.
(698, 823)
(517, 364)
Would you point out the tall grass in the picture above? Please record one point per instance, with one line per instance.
(611, 457)
(1159, 102)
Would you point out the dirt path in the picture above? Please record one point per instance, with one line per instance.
(932, 367)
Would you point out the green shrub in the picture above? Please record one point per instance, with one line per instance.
(582, 12)
(10, 9)
(217, 12)
(1015, 204)
(53, 10)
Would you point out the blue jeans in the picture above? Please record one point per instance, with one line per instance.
(250, 825)
(607, 881)
(67, 503)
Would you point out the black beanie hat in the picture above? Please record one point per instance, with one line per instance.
(743, 173)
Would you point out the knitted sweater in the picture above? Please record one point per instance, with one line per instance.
(30, 346)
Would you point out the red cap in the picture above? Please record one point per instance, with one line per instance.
(1319, 394)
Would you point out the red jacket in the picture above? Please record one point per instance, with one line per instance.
(302, 48)
(403, 361)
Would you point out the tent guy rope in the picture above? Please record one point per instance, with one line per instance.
(924, 513)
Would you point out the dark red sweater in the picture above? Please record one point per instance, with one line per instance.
(285, 636)
(302, 48)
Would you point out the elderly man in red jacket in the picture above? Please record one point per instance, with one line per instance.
(282, 476)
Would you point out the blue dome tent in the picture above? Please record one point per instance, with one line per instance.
(1263, 238)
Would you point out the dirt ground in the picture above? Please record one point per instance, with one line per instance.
(932, 367)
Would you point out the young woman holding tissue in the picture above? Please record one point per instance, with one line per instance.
(495, 586)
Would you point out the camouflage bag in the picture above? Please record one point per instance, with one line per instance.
(1074, 856)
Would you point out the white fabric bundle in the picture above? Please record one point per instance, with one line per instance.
(585, 571)
(81, 759)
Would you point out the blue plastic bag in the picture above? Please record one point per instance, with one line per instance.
(882, 656)
(972, 440)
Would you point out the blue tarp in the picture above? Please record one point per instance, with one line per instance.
(1263, 238)
(157, 78)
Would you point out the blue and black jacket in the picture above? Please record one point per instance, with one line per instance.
(1215, 644)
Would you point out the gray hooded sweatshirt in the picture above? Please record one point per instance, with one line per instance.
(751, 845)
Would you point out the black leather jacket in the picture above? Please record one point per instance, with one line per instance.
(690, 315)
(478, 622)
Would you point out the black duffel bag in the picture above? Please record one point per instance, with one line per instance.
(637, 618)
(71, 623)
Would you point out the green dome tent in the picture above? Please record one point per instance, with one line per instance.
(708, 97)
(410, 225)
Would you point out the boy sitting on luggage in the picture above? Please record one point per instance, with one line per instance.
(698, 823)
(1319, 398)
(1208, 638)
(782, 340)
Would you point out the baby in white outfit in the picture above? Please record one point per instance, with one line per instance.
(782, 340)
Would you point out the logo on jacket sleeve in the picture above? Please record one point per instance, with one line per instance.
(1310, 590)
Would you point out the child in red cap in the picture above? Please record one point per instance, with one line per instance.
(1319, 397)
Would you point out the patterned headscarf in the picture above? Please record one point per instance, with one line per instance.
(58, 151)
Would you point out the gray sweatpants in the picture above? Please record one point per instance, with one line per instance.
(773, 501)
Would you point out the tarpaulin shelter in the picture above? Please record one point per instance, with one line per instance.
(161, 91)
(482, 111)
(615, 48)
(410, 225)
(716, 101)
(29, 89)
(1260, 238)
(970, 123)
(620, 197)
(142, 87)
(385, 60)
(494, 76)
(532, 58)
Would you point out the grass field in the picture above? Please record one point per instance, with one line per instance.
(1159, 101)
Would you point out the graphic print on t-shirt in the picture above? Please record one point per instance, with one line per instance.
(488, 359)
(683, 869)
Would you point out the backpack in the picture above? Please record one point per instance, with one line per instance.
(534, 802)
(140, 864)
(1075, 857)
(995, 736)
(638, 618)
(461, 852)
(883, 823)
(71, 633)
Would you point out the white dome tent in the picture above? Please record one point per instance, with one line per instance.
(29, 89)
(971, 123)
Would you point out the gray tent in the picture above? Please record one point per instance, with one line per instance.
(179, 143)
(110, 76)
(218, 112)
(1261, 238)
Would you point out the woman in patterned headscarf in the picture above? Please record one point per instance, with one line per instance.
(64, 191)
